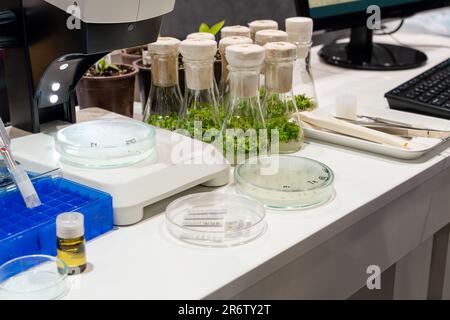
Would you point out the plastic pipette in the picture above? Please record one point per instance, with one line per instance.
(20, 177)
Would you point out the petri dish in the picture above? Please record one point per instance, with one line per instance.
(285, 182)
(216, 219)
(105, 143)
(36, 277)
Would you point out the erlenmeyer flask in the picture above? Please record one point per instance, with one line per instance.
(267, 36)
(224, 85)
(165, 99)
(279, 106)
(243, 130)
(300, 31)
(200, 100)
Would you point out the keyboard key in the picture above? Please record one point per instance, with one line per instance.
(424, 99)
(438, 102)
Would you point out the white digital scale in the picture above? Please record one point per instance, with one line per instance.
(177, 164)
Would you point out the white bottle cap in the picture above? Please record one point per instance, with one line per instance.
(164, 45)
(299, 29)
(198, 49)
(232, 31)
(245, 55)
(265, 36)
(229, 41)
(347, 107)
(201, 35)
(70, 225)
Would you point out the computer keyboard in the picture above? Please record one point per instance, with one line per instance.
(428, 93)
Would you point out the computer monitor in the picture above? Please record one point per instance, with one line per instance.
(361, 52)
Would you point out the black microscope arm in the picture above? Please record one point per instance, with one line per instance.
(8, 24)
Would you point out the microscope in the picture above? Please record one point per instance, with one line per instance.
(50, 44)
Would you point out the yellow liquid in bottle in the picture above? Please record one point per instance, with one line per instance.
(73, 253)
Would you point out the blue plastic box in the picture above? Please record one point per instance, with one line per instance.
(33, 231)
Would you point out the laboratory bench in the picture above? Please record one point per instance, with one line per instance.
(387, 213)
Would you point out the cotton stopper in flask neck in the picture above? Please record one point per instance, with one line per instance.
(280, 58)
(164, 53)
(201, 35)
(259, 25)
(300, 30)
(70, 225)
(245, 61)
(198, 56)
(224, 44)
(266, 36)
(235, 31)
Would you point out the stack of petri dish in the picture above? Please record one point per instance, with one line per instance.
(106, 143)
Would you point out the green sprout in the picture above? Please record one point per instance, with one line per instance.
(103, 67)
(214, 30)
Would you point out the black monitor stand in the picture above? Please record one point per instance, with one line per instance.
(362, 53)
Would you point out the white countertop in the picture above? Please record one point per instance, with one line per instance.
(145, 262)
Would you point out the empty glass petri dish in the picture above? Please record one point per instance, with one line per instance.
(285, 182)
(216, 219)
(106, 143)
(36, 277)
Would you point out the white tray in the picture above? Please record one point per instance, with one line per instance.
(399, 153)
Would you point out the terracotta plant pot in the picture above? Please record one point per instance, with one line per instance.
(130, 58)
(114, 93)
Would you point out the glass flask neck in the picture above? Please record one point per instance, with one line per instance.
(199, 74)
(164, 70)
(303, 51)
(279, 76)
(244, 82)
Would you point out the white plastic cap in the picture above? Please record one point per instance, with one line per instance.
(198, 49)
(164, 45)
(229, 41)
(300, 29)
(347, 107)
(265, 36)
(245, 55)
(201, 35)
(232, 31)
(70, 225)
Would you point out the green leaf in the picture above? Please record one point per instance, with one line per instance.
(113, 66)
(217, 27)
(204, 28)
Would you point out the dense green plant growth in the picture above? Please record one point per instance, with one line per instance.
(275, 119)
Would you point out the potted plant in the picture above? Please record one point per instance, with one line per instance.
(108, 86)
(129, 56)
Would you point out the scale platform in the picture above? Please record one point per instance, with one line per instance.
(178, 163)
